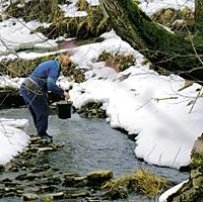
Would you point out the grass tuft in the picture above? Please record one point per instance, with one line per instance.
(142, 181)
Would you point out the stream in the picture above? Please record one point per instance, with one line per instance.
(91, 144)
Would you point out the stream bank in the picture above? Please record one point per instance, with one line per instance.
(89, 145)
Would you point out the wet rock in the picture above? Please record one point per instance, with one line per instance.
(92, 200)
(20, 163)
(48, 173)
(11, 191)
(74, 181)
(9, 194)
(6, 180)
(14, 169)
(71, 175)
(1, 188)
(27, 176)
(34, 147)
(19, 192)
(57, 146)
(78, 194)
(96, 178)
(47, 189)
(29, 196)
(116, 194)
(59, 195)
(37, 170)
(45, 149)
(11, 184)
(45, 166)
(34, 139)
(54, 180)
(40, 168)
(2, 168)
(37, 141)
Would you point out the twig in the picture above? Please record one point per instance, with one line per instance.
(198, 95)
(165, 98)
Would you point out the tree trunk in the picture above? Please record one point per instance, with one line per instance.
(199, 15)
(182, 55)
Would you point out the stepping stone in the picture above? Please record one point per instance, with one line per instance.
(45, 149)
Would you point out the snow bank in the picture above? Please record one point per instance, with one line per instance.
(13, 138)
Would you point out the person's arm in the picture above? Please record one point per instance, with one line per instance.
(51, 81)
(51, 84)
(66, 94)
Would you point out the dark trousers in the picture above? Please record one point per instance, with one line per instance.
(37, 104)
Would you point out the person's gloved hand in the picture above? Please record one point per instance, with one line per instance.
(66, 95)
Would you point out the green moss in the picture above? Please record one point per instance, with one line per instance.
(117, 61)
(149, 33)
(197, 160)
(198, 41)
(48, 199)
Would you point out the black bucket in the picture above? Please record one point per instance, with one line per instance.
(64, 109)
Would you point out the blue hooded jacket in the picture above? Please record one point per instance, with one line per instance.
(46, 74)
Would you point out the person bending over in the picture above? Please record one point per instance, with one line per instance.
(35, 87)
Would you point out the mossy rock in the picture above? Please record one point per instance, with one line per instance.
(92, 110)
(97, 178)
(30, 196)
(192, 189)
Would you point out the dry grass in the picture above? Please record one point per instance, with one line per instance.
(142, 181)
(22, 68)
(92, 25)
(117, 61)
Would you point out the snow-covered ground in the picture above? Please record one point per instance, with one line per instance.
(138, 99)
(142, 102)
(152, 6)
(13, 138)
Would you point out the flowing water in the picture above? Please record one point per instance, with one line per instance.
(92, 145)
